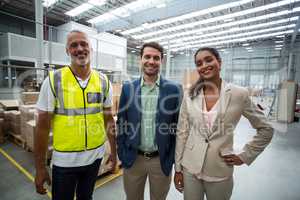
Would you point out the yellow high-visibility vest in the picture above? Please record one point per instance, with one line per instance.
(78, 122)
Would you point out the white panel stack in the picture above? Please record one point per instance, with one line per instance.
(287, 101)
(109, 51)
(112, 44)
(113, 52)
(10, 49)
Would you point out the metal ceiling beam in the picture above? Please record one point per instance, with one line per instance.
(295, 34)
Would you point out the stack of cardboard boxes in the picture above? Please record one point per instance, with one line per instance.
(105, 166)
(28, 116)
(29, 97)
(2, 136)
(117, 87)
(16, 118)
(190, 77)
(13, 119)
(9, 117)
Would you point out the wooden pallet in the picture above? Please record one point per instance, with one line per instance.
(28, 148)
(17, 139)
(107, 177)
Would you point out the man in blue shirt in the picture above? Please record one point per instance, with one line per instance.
(147, 120)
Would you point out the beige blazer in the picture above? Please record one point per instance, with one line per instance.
(198, 148)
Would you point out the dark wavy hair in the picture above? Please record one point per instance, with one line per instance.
(153, 45)
(196, 87)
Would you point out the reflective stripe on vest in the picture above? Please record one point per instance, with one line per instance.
(78, 122)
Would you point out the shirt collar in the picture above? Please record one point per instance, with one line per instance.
(157, 82)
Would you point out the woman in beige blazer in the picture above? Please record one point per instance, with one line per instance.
(210, 111)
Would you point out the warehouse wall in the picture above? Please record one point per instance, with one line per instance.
(15, 25)
(237, 63)
(24, 27)
(264, 67)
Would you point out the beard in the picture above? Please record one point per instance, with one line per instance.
(80, 62)
(150, 70)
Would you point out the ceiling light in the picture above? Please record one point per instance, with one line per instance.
(278, 48)
(278, 45)
(280, 36)
(48, 3)
(104, 17)
(245, 44)
(125, 10)
(218, 18)
(162, 5)
(279, 41)
(206, 39)
(242, 39)
(190, 15)
(230, 24)
(228, 20)
(145, 24)
(248, 48)
(199, 33)
(232, 30)
(85, 7)
(80, 9)
(97, 2)
(133, 51)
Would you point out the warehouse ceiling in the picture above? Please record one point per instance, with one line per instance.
(176, 24)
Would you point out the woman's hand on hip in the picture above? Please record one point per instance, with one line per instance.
(232, 160)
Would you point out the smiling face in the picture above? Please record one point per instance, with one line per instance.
(151, 61)
(78, 48)
(208, 66)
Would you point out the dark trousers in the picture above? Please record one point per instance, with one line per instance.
(67, 180)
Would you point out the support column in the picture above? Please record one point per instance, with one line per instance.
(168, 64)
(289, 68)
(50, 45)
(9, 75)
(39, 37)
(97, 54)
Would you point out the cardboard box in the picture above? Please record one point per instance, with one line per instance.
(6, 126)
(1, 113)
(27, 114)
(29, 97)
(12, 121)
(105, 167)
(9, 104)
(115, 107)
(15, 122)
(30, 130)
(117, 88)
(190, 77)
(2, 134)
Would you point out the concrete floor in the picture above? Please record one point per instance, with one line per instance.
(273, 176)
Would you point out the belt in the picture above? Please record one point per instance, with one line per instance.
(148, 155)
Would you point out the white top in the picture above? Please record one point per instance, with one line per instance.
(209, 118)
(46, 102)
